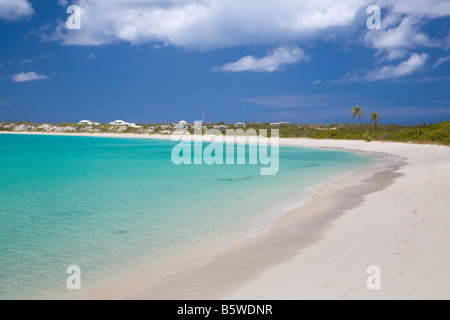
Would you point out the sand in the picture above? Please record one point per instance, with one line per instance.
(395, 215)
(403, 228)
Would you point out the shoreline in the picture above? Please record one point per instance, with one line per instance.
(386, 216)
(402, 228)
(240, 263)
(181, 271)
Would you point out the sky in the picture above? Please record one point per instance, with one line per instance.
(149, 61)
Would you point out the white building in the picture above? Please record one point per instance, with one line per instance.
(240, 124)
(86, 122)
(119, 123)
(275, 124)
(181, 125)
(123, 123)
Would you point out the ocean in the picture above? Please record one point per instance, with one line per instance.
(116, 206)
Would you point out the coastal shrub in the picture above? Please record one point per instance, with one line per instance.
(366, 136)
(383, 136)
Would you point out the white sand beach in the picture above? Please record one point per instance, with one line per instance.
(404, 229)
(395, 215)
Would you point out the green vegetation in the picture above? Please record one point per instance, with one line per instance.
(432, 133)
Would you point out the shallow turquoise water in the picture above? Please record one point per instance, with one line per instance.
(109, 204)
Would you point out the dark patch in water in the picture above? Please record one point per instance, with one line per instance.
(309, 165)
(232, 180)
(121, 231)
(306, 165)
(227, 179)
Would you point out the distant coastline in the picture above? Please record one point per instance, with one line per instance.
(429, 134)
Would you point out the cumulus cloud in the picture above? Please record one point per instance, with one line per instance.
(15, 9)
(207, 24)
(275, 61)
(403, 28)
(406, 35)
(210, 24)
(28, 76)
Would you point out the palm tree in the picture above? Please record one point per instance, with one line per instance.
(375, 118)
(357, 112)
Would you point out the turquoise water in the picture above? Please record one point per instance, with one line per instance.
(110, 204)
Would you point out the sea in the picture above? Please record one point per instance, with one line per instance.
(113, 207)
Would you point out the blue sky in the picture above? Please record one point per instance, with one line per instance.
(300, 61)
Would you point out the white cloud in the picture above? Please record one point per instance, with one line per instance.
(15, 9)
(433, 79)
(396, 54)
(403, 28)
(420, 8)
(318, 81)
(447, 42)
(210, 24)
(405, 68)
(440, 61)
(207, 24)
(407, 34)
(92, 56)
(63, 3)
(29, 76)
(275, 61)
(389, 72)
(26, 62)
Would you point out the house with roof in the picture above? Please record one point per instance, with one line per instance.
(125, 124)
(89, 122)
